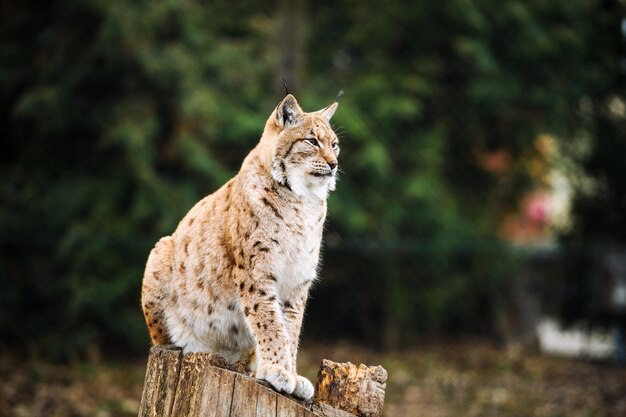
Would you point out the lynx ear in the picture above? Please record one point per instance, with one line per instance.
(328, 112)
(288, 112)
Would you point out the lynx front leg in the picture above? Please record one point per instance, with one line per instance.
(265, 320)
(293, 312)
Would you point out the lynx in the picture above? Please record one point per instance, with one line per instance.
(234, 276)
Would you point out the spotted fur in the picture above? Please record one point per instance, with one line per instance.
(234, 276)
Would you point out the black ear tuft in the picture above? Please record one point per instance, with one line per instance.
(339, 95)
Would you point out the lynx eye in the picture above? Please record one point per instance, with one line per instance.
(313, 141)
(335, 145)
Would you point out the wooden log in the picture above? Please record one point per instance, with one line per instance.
(204, 384)
(359, 390)
(161, 381)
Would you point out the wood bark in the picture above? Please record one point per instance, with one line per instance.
(359, 390)
(203, 384)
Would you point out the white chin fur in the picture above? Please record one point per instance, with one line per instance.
(308, 185)
(304, 184)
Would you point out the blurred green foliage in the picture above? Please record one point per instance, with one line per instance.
(117, 116)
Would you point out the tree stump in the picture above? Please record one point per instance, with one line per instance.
(359, 390)
(203, 384)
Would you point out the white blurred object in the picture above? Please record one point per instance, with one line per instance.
(576, 341)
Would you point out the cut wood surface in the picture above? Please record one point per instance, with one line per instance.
(203, 384)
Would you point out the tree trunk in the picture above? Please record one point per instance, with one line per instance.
(203, 384)
(291, 44)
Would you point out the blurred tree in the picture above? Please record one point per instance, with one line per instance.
(444, 103)
(290, 40)
(601, 202)
(118, 116)
(598, 227)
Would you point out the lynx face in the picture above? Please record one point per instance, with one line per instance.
(306, 151)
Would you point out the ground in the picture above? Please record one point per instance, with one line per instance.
(440, 380)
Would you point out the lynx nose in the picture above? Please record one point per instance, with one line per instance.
(332, 164)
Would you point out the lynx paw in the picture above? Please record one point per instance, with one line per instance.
(281, 379)
(304, 389)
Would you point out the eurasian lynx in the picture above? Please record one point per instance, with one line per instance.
(234, 276)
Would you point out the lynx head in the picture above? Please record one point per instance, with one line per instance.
(305, 152)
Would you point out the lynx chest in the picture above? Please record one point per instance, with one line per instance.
(300, 240)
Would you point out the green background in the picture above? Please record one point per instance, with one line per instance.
(117, 116)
